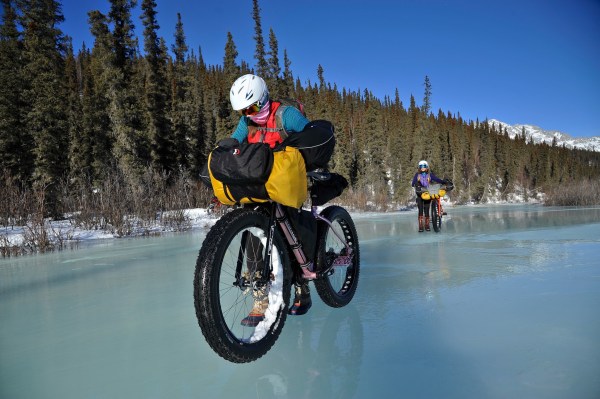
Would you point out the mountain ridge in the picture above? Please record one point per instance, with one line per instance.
(540, 135)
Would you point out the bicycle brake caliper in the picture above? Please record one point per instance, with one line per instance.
(343, 260)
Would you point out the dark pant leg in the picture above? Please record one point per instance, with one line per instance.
(254, 253)
(420, 205)
(426, 206)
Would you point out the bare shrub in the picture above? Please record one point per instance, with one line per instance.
(177, 220)
(125, 205)
(8, 249)
(114, 203)
(583, 193)
(16, 201)
(79, 203)
(120, 204)
(381, 200)
(35, 236)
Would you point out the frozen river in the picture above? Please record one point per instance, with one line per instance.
(503, 303)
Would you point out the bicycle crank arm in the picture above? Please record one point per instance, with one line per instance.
(308, 274)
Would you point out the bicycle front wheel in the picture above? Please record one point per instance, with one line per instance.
(228, 283)
(337, 287)
(436, 218)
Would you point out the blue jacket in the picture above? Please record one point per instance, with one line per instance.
(292, 119)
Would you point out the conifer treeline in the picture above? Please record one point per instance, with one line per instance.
(80, 116)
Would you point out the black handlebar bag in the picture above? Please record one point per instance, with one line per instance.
(240, 171)
(252, 173)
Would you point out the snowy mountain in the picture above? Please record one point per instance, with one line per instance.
(540, 135)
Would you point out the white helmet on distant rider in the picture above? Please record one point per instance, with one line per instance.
(248, 90)
(423, 166)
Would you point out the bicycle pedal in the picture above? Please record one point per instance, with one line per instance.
(325, 273)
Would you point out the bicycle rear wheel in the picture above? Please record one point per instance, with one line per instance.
(337, 287)
(227, 280)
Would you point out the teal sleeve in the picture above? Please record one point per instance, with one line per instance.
(241, 131)
(293, 120)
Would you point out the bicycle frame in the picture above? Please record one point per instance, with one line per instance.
(279, 217)
(342, 260)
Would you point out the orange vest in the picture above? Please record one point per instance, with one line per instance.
(269, 133)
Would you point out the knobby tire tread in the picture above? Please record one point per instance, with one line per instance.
(436, 221)
(207, 307)
(326, 292)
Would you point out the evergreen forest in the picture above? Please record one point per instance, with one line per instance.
(135, 115)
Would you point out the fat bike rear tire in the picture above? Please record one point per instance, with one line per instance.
(221, 301)
(338, 287)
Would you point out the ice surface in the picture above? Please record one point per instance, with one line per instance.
(503, 303)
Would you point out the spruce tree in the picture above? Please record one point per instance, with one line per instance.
(288, 77)
(46, 96)
(80, 149)
(399, 159)
(162, 145)
(262, 67)
(274, 80)
(180, 86)
(16, 144)
(227, 118)
(318, 103)
(486, 163)
(131, 146)
(426, 108)
(197, 113)
(375, 146)
(186, 111)
(98, 69)
(415, 144)
(230, 67)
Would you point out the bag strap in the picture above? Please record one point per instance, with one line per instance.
(279, 121)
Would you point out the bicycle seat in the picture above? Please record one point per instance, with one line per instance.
(318, 175)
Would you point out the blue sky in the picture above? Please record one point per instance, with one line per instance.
(529, 61)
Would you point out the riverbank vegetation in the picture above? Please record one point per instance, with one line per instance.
(576, 193)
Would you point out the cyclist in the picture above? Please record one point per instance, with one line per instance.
(268, 121)
(421, 180)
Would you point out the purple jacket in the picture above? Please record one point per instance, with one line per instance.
(424, 182)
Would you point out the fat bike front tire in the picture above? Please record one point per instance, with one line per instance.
(337, 288)
(436, 218)
(221, 300)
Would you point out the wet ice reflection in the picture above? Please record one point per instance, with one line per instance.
(502, 303)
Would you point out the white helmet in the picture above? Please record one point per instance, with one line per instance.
(247, 90)
(423, 164)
